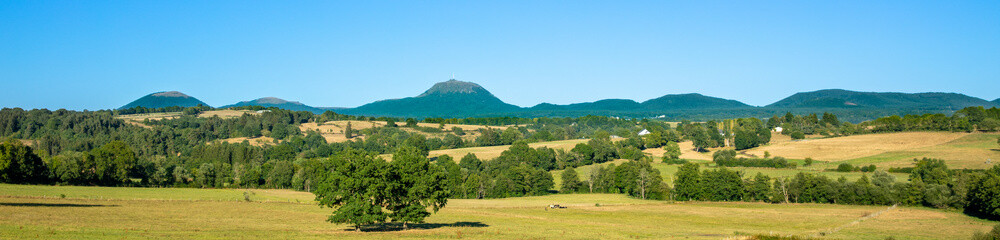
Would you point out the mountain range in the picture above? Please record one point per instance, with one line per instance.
(460, 99)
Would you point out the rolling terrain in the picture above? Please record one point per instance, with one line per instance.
(59, 212)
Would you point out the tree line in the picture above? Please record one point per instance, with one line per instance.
(930, 184)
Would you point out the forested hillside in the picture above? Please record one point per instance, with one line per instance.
(165, 99)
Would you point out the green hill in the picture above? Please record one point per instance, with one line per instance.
(690, 101)
(165, 99)
(600, 105)
(664, 104)
(452, 98)
(837, 98)
(278, 103)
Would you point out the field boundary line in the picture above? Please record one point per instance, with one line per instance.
(856, 222)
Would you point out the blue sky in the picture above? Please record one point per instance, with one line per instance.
(104, 54)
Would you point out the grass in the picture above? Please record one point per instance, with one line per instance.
(333, 131)
(487, 153)
(851, 147)
(971, 151)
(30, 212)
(128, 193)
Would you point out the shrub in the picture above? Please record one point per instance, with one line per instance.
(992, 235)
(845, 167)
(797, 135)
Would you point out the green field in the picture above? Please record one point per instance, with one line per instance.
(32, 212)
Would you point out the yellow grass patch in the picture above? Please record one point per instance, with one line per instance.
(257, 141)
(851, 147)
(972, 151)
(227, 113)
(333, 131)
(487, 153)
(687, 152)
(119, 214)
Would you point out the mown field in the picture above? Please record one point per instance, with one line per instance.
(333, 131)
(32, 212)
(890, 150)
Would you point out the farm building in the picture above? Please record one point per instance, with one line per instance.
(644, 132)
(778, 129)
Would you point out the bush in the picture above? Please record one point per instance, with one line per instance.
(797, 135)
(777, 162)
(845, 167)
(992, 235)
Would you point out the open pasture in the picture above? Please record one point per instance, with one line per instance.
(257, 141)
(333, 131)
(32, 212)
(226, 113)
(857, 146)
(972, 151)
(491, 152)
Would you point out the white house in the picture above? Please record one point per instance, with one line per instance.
(778, 129)
(644, 132)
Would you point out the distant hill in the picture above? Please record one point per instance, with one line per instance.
(837, 98)
(601, 105)
(165, 99)
(671, 102)
(997, 101)
(278, 103)
(452, 98)
(690, 101)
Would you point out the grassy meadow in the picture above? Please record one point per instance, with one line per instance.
(32, 212)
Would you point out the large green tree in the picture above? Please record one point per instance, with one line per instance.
(18, 164)
(357, 187)
(114, 163)
(984, 195)
(422, 186)
(687, 186)
(570, 181)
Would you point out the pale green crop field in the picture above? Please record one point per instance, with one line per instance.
(39, 212)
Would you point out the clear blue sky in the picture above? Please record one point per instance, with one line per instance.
(104, 54)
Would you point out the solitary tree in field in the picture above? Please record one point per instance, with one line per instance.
(348, 132)
(364, 189)
(355, 188)
(673, 151)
